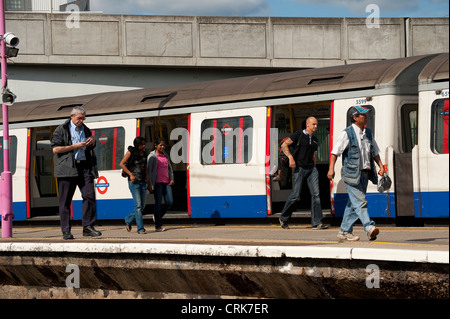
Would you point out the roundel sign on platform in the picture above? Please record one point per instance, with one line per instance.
(102, 185)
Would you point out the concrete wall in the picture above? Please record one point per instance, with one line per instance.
(264, 42)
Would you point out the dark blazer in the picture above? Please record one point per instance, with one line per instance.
(65, 162)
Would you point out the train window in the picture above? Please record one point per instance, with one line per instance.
(155, 130)
(110, 147)
(12, 154)
(323, 135)
(409, 127)
(226, 140)
(439, 126)
(370, 118)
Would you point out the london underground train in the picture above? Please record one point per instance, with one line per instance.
(223, 139)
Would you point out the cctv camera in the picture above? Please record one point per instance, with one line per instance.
(11, 39)
(8, 97)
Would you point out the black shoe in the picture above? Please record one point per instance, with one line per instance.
(67, 235)
(90, 231)
(283, 224)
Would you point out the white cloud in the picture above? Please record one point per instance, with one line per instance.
(183, 7)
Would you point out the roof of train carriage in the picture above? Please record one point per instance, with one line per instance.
(436, 70)
(293, 83)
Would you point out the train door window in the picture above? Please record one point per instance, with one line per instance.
(323, 135)
(370, 118)
(42, 167)
(439, 126)
(110, 147)
(12, 154)
(155, 129)
(409, 127)
(226, 140)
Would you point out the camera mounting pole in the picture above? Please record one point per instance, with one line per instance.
(6, 211)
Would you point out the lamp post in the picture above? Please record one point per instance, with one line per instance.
(6, 177)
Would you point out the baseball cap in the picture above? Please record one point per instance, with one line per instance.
(358, 109)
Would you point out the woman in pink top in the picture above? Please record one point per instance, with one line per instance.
(160, 174)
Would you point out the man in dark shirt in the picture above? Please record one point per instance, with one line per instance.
(304, 166)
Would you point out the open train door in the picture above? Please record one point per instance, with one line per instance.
(227, 169)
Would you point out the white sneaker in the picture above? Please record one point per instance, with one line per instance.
(348, 236)
(372, 234)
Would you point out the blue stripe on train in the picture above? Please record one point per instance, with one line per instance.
(433, 204)
(20, 210)
(377, 203)
(107, 208)
(247, 206)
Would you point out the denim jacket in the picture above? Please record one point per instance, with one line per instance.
(351, 170)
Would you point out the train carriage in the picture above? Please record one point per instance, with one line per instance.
(430, 155)
(224, 137)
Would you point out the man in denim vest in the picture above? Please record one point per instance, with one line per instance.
(359, 152)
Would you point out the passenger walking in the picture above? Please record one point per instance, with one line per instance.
(359, 151)
(304, 166)
(160, 175)
(134, 164)
(75, 165)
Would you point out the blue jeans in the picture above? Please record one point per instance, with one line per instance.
(138, 191)
(311, 175)
(357, 206)
(162, 190)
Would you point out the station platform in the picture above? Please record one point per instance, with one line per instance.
(251, 260)
(245, 232)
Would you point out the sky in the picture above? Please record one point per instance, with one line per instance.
(277, 8)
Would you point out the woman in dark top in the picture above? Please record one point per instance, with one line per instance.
(134, 163)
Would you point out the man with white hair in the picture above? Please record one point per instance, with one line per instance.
(75, 165)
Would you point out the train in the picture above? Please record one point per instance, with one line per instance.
(223, 138)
